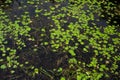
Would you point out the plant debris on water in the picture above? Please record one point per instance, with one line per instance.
(59, 40)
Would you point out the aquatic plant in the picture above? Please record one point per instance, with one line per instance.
(95, 41)
(11, 40)
(92, 51)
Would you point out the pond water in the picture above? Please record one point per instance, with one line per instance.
(43, 57)
(18, 7)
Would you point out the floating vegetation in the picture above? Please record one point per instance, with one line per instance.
(59, 40)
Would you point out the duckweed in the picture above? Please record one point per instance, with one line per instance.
(90, 51)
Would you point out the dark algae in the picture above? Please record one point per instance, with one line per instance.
(59, 40)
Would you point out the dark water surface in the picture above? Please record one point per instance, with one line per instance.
(43, 57)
